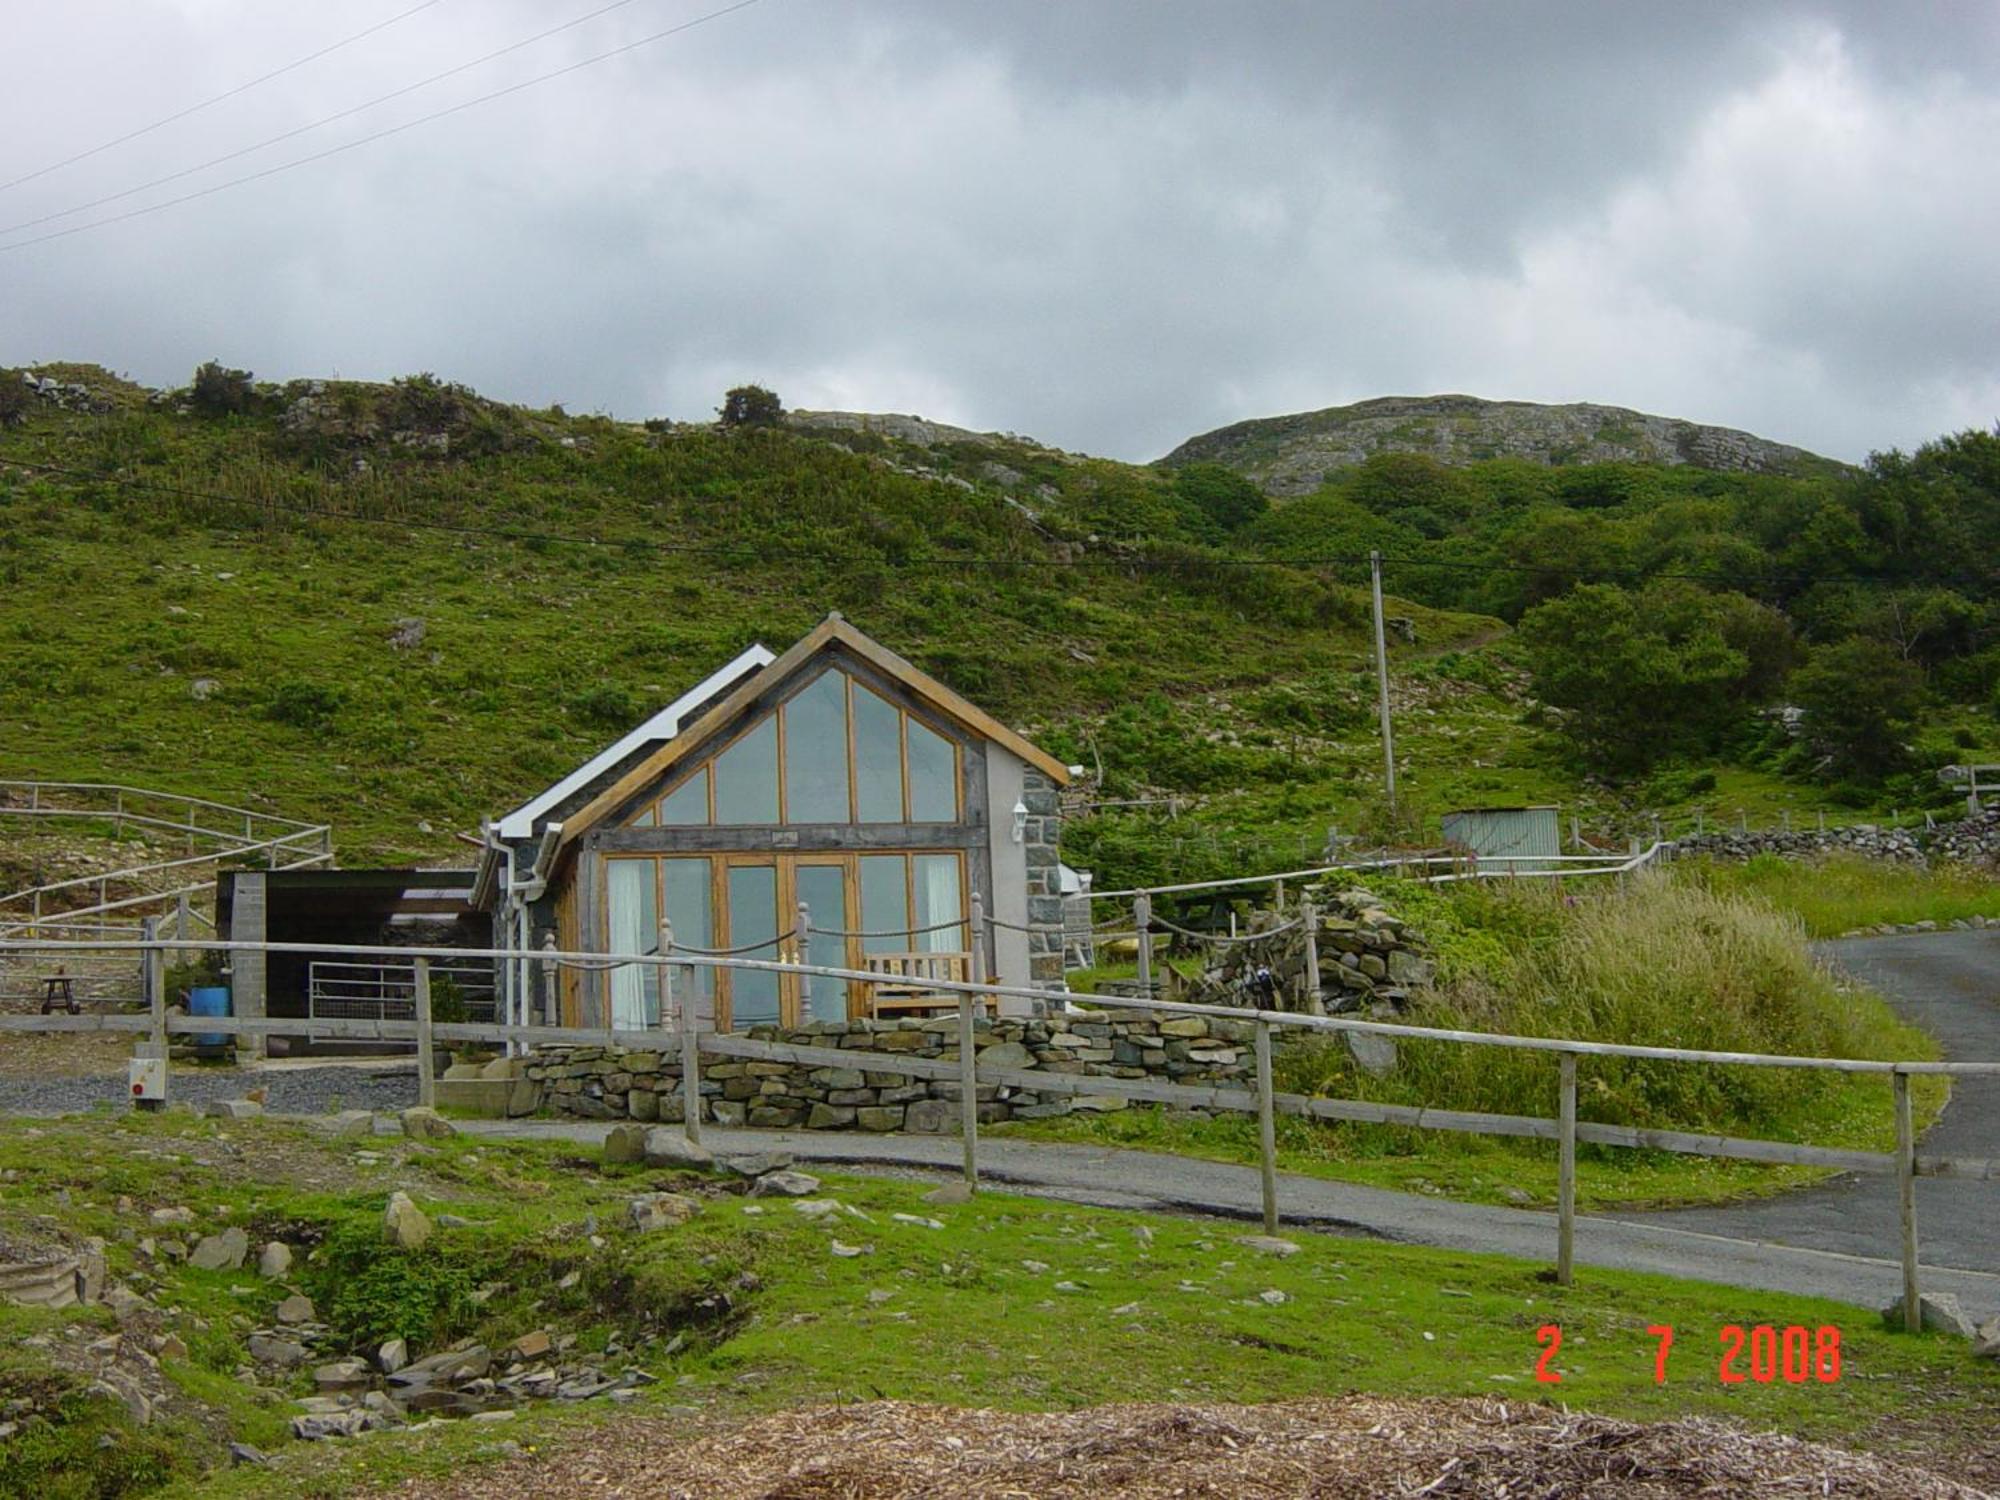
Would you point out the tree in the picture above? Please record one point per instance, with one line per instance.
(220, 392)
(1860, 698)
(1224, 497)
(751, 406)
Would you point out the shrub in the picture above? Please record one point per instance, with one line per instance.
(304, 705)
(607, 706)
(16, 400)
(371, 1293)
(751, 406)
(220, 392)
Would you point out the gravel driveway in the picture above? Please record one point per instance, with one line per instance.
(290, 1089)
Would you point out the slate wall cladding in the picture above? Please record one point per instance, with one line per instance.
(600, 1083)
(1045, 903)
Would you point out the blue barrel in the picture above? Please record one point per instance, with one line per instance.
(210, 1000)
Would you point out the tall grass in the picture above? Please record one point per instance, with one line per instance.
(1656, 963)
(1838, 894)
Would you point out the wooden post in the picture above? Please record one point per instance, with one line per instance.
(1700, 821)
(183, 923)
(426, 1060)
(968, 1069)
(1566, 1173)
(1142, 919)
(190, 835)
(154, 970)
(1309, 920)
(1906, 1195)
(690, 1050)
(1382, 682)
(1267, 1129)
(551, 982)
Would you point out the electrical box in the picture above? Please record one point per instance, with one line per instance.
(149, 1081)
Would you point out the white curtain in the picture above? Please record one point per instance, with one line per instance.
(633, 930)
(938, 901)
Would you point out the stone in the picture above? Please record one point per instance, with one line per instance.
(1375, 1055)
(757, 1165)
(232, 1109)
(274, 1260)
(242, 1455)
(848, 1252)
(1940, 1312)
(314, 1428)
(124, 1302)
(533, 1345)
(1986, 1339)
(221, 1252)
(815, 1208)
(1004, 1055)
(342, 1375)
(879, 1118)
(1266, 1244)
(931, 1117)
(664, 1147)
(829, 1117)
(1273, 1297)
(422, 1123)
(392, 1356)
(1184, 1026)
(171, 1346)
(296, 1308)
(659, 1211)
(403, 1223)
(625, 1145)
(785, 1184)
(949, 1193)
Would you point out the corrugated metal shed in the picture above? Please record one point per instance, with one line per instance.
(1533, 835)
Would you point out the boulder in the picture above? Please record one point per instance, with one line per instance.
(403, 1223)
(625, 1145)
(664, 1147)
(392, 1356)
(1986, 1339)
(1266, 1244)
(1940, 1313)
(1376, 1055)
(342, 1375)
(221, 1252)
(422, 1123)
(758, 1164)
(296, 1308)
(653, 1211)
(785, 1184)
(931, 1117)
(269, 1349)
(233, 1109)
(274, 1260)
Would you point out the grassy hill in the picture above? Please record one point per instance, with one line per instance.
(400, 607)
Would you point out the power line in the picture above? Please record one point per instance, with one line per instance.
(1141, 563)
(195, 109)
(501, 93)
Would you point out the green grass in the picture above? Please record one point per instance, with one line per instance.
(1836, 895)
(1012, 1303)
(1658, 962)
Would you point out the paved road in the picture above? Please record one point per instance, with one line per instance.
(1114, 1178)
(1949, 984)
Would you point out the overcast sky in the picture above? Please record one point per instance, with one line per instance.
(1109, 224)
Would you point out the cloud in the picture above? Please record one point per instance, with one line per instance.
(1110, 226)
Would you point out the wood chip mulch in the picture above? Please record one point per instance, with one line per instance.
(1316, 1450)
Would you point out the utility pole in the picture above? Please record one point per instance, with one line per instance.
(1382, 679)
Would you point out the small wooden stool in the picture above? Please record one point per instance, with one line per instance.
(60, 989)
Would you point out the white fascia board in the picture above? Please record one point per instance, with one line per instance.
(663, 726)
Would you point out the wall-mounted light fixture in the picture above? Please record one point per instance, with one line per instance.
(1020, 821)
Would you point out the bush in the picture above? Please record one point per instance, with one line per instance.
(304, 705)
(607, 706)
(16, 400)
(370, 1293)
(1860, 700)
(751, 406)
(220, 392)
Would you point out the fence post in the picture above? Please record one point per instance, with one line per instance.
(551, 983)
(1566, 1172)
(1309, 919)
(968, 1069)
(154, 969)
(426, 1061)
(182, 921)
(1267, 1128)
(1906, 1195)
(690, 1049)
(1142, 919)
(805, 928)
(190, 835)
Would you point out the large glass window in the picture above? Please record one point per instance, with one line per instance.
(823, 890)
(878, 758)
(846, 754)
(687, 805)
(934, 899)
(816, 752)
(933, 776)
(746, 778)
(885, 903)
(686, 886)
(753, 920)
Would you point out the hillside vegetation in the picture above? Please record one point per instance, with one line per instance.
(400, 607)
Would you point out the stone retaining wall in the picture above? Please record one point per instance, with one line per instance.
(600, 1083)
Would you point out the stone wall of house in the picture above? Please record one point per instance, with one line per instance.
(1045, 901)
(600, 1083)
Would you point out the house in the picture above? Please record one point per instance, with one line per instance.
(833, 784)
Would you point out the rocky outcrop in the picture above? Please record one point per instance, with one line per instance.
(1293, 455)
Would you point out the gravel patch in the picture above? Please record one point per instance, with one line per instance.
(295, 1091)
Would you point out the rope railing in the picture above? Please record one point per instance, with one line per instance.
(886, 932)
(1223, 940)
(680, 948)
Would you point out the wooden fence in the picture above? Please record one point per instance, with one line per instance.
(678, 1033)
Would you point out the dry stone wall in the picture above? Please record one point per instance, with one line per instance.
(602, 1083)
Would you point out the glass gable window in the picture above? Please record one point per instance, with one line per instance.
(746, 778)
(816, 752)
(834, 752)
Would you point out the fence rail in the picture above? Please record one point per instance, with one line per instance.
(679, 1027)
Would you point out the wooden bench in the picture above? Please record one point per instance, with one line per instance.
(907, 985)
